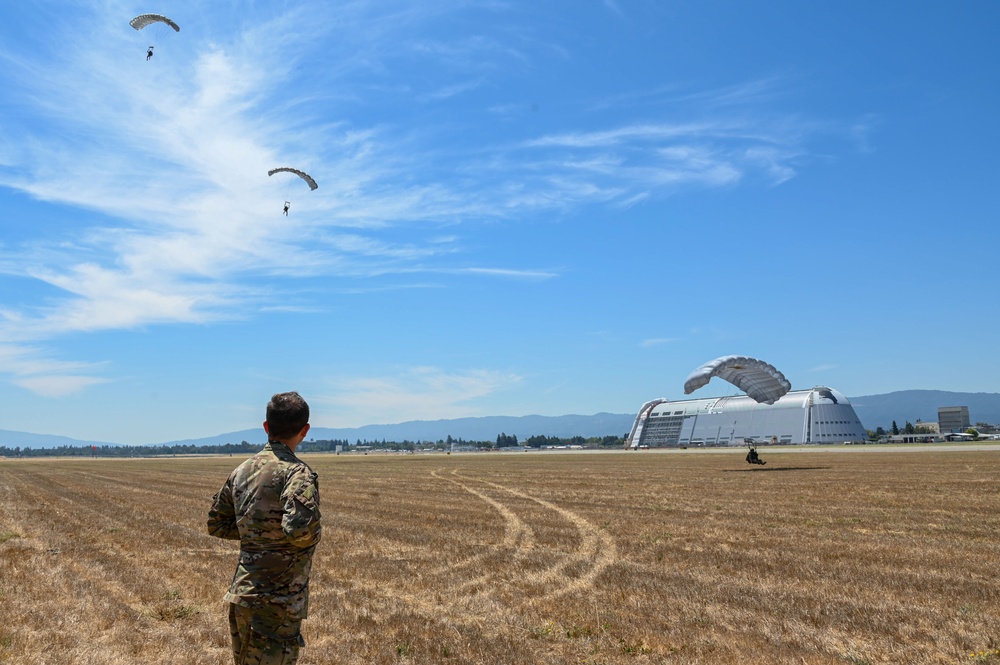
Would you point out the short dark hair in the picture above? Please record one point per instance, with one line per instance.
(287, 414)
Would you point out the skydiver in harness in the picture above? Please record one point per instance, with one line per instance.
(288, 204)
(149, 53)
(753, 457)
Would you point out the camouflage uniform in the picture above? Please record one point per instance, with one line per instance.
(270, 503)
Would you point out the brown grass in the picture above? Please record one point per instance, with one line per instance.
(518, 559)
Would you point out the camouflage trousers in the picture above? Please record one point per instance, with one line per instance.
(263, 639)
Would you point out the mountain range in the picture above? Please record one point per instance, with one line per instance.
(873, 410)
(913, 405)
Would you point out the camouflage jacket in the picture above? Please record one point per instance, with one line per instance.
(270, 503)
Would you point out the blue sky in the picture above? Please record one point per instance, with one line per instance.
(523, 207)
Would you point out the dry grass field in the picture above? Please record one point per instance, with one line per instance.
(526, 558)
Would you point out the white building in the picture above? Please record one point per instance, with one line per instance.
(953, 418)
(820, 415)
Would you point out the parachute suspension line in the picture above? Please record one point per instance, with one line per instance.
(288, 185)
(158, 27)
(288, 201)
(288, 195)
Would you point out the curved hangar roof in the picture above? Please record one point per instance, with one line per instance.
(820, 395)
(818, 415)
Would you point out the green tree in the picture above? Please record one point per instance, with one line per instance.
(505, 440)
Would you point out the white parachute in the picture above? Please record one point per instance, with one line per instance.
(142, 20)
(302, 174)
(759, 380)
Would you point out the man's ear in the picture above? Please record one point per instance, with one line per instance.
(266, 431)
(305, 430)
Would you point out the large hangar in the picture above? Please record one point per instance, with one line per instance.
(819, 415)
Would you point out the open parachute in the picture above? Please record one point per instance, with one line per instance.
(302, 174)
(759, 380)
(142, 20)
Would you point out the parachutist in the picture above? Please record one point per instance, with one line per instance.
(149, 53)
(302, 174)
(753, 457)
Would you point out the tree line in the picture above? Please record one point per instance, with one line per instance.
(503, 440)
(131, 451)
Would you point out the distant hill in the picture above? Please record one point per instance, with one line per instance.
(913, 405)
(471, 429)
(11, 439)
(873, 410)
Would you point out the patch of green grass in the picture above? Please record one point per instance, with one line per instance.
(172, 609)
(543, 632)
(968, 611)
(8, 535)
(574, 632)
(633, 648)
(174, 612)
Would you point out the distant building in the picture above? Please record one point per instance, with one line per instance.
(953, 418)
(915, 438)
(931, 428)
(820, 415)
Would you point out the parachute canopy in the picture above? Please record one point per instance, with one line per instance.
(142, 20)
(305, 176)
(758, 379)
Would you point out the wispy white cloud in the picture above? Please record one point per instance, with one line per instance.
(169, 157)
(414, 392)
(823, 368)
(613, 7)
(57, 385)
(658, 341)
(632, 162)
(388, 287)
(739, 95)
(509, 272)
(619, 136)
(450, 91)
(31, 368)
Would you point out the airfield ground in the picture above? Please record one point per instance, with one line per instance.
(887, 555)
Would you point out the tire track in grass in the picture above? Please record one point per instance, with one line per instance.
(472, 600)
(596, 552)
(518, 536)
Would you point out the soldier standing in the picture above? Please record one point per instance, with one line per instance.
(270, 503)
